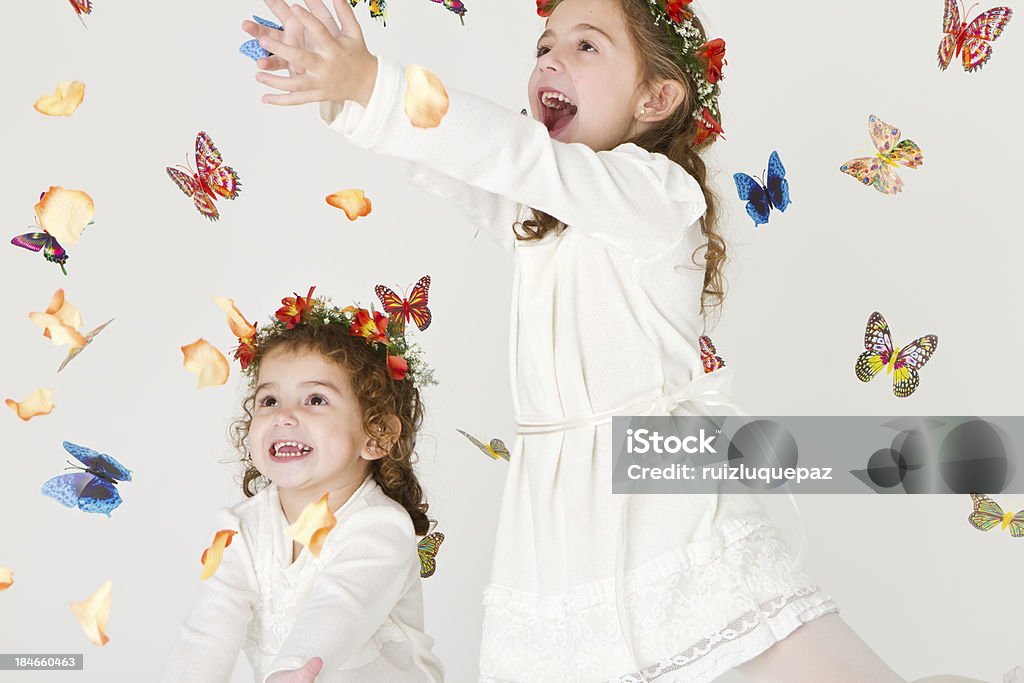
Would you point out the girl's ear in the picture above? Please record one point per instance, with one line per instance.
(389, 429)
(665, 97)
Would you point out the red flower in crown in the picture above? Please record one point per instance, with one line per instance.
(397, 366)
(543, 9)
(246, 351)
(676, 10)
(714, 52)
(294, 309)
(373, 328)
(708, 128)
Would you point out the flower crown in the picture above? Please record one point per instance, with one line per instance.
(702, 60)
(380, 332)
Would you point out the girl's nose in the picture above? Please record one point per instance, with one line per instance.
(284, 417)
(550, 61)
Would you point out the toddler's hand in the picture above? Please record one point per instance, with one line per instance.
(306, 674)
(327, 63)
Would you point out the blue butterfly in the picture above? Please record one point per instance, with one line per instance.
(92, 490)
(252, 48)
(761, 197)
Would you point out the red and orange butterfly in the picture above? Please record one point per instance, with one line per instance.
(81, 7)
(212, 180)
(707, 355)
(413, 308)
(970, 41)
(987, 513)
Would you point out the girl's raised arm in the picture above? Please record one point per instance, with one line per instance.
(212, 637)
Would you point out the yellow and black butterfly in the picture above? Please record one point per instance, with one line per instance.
(987, 514)
(902, 362)
(496, 449)
(427, 548)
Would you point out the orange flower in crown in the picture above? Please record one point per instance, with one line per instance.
(707, 129)
(543, 8)
(676, 10)
(397, 366)
(373, 327)
(295, 309)
(714, 52)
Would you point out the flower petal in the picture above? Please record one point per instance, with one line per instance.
(202, 358)
(64, 100)
(6, 578)
(397, 366)
(313, 525)
(212, 556)
(240, 327)
(353, 202)
(65, 213)
(56, 330)
(426, 100)
(64, 311)
(93, 612)
(39, 402)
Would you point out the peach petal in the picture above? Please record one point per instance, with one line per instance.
(426, 100)
(64, 100)
(313, 525)
(6, 578)
(240, 327)
(202, 358)
(353, 202)
(93, 613)
(64, 311)
(215, 553)
(56, 330)
(65, 213)
(39, 402)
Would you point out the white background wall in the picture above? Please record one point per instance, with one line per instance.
(926, 590)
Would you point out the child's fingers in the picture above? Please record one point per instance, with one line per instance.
(347, 18)
(280, 9)
(258, 30)
(320, 11)
(273, 63)
(293, 98)
(286, 83)
(295, 56)
(317, 31)
(293, 36)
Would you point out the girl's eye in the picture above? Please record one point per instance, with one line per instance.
(318, 397)
(267, 401)
(583, 43)
(541, 50)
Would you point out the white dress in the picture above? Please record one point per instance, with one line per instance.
(587, 585)
(358, 606)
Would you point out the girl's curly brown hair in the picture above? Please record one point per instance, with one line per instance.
(673, 137)
(379, 397)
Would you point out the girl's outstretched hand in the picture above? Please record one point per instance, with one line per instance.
(325, 62)
(306, 674)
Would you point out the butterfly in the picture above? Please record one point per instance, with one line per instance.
(45, 242)
(252, 48)
(970, 41)
(879, 170)
(81, 7)
(903, 363)
(378, 9)
(212, 180)
(427, 549)
(454, 6)
(414, 308)
(74, 351)
(496, 449)
(62, 214)
(93, 489)
(761, 196)
(707, 355)
(987, 514)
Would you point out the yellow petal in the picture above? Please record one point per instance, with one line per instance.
(210, 364)
(240, 327)
(64, 100)
(56, 330)
(426, 100)
(313, 525)
(93, 613)
(65, 213)
(64, 311)
(6, 578)
(40, 402)
(212, 556)
(353, 202)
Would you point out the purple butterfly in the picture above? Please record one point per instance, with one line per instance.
(36, 241)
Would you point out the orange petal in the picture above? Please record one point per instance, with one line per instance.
(313, 525)
(426, 100)
(65, 213)
(210, 364)
(93, 613)
(64, 100)
(212, 556)
(56, 330)
(64, 311)
(6, 578)
(353, 202)
(40, 402)
(240, 327)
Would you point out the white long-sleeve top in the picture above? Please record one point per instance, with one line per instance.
(358, 606)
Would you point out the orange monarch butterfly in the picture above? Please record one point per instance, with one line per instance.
(402, 310)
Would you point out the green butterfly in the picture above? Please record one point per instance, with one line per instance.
(987, 513)
(427, 549)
